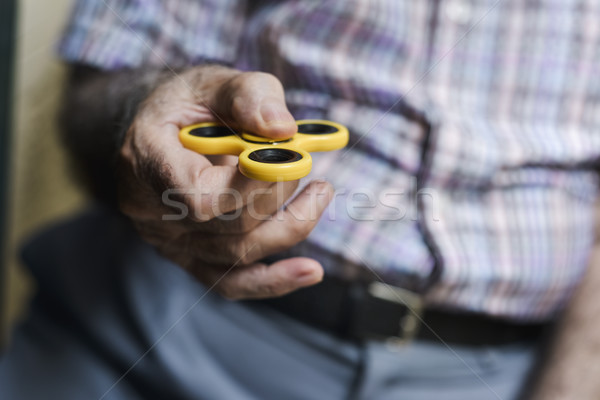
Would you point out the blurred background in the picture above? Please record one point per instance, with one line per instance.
(38, 188)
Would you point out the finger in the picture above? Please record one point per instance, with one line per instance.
(168, 226)
(162, 164)
(294, 223)
(220, 190)
(260, 205)
(262, 281)
(183, 179)
(285, 229)
(171, 181)
(255, 101)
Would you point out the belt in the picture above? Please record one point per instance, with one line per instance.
(360, 311)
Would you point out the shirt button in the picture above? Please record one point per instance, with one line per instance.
(459, 11)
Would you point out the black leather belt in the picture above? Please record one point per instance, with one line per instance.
(359, 311)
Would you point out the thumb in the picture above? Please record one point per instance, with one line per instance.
(255, 102)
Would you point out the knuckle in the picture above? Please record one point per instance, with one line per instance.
(200, 210)
(243, 253)
(244, 258)
(228, 291)
(301, 229)
(231, 225)
(271, 288)
(262, 77)
(245, 224)
(268, 285)
(239, 105)
(232, 251)
(254, 80)
(235, 82)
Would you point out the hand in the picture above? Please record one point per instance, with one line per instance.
(232, 221)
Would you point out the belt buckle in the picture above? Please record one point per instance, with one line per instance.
(410, 323)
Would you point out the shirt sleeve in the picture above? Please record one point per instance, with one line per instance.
(114, 34)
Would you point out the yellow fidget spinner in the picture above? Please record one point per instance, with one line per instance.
(263, 158)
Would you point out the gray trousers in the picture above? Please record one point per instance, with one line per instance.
(113, 320)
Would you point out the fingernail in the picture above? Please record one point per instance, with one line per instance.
(273, 112)
(310, 279)
(309, 276)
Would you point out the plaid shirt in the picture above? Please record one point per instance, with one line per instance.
(474, 128)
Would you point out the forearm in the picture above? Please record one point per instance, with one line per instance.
(573, 365)
(97, 109)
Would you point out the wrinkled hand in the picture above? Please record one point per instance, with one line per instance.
(231, 221)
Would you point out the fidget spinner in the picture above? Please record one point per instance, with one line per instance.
(263, 158)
